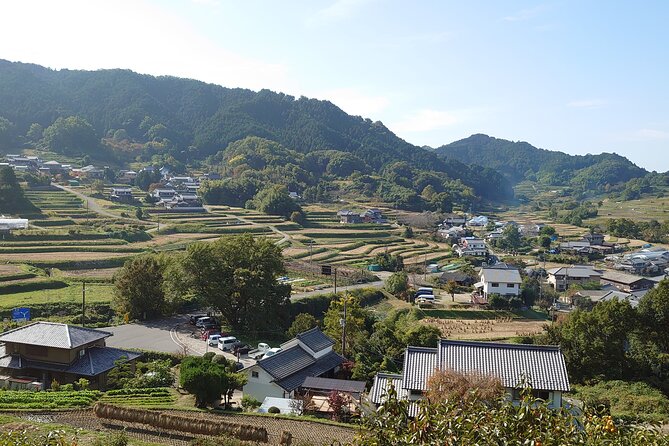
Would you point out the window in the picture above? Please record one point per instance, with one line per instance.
(494, 285)
(416, 392)
(511, 285)
(254, 375)
(541, 394)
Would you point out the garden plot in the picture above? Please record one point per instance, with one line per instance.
(486, 329)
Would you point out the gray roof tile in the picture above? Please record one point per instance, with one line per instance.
(321, 365)
(341, 385)
(543, 366)
(501, 275)
(419, 364)
(315, 339)
(51, 334)
(382, 383)
(287, 362)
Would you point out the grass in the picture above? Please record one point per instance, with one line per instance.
(101, 293)
(632, 400)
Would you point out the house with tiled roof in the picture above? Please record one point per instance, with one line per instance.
(309, 354)
(45, 351)
(515, 365)
(563, 277)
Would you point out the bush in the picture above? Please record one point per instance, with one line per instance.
(273, 409)
(249, 403)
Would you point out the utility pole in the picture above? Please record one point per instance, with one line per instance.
(343, 328)
(311, 251)
(83, 304)
(335, 280)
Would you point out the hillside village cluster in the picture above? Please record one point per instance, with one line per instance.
(40, 353)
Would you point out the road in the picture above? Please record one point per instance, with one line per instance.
(92, 205)
(156, 336)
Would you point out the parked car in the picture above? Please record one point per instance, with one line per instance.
(258, 353)
(212, 340)
(205, 334)
(228, 343)
(210, 326)
(238, 366)
(205, 320)
(194, 317)
(271, 352)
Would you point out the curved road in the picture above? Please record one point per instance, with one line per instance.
(92, 205)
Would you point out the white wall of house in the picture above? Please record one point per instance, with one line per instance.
(501, 288)
(261, 386)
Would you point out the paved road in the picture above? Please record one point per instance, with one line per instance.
(92, 205)
(154, 335)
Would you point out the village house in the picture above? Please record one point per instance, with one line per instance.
(564, 277)
(43, 352)
(460, 278)
(454, 220)
(121, 194)
(280, 375)
(471, 246)
(502, 281)
(163, 194)
(542, 368)
(126, 176)
(627, 282)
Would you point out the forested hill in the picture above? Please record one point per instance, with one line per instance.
(522, 161)
(191, 120)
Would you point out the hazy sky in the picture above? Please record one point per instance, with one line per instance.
(577, 76)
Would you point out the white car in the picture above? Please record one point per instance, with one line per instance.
(228, 343)
(213, 340)
(271, 352)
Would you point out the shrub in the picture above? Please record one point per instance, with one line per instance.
(249, 403)
(273, 409)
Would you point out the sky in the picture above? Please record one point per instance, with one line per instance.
(575, 76)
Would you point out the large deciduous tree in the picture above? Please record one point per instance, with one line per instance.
(71, 135)
(138, 288)
(238, 276)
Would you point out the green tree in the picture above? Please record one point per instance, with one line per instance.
(510, 240)
(303, 322)
(408, 232)
(238, 277)
(202, 378)
(35, 133)
(398, 283)
(276, 201)
(138, 288)
(355, 322)
(6, 134)
(653, 312)
(12, 198)
(594, 342)
(389, 262)
(98, 186)
(71, 135)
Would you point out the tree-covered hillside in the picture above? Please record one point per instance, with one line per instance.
(520, 161)
(147, 118)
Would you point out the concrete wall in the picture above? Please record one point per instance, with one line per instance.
(262, 386)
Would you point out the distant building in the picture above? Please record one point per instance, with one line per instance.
(163, 194)
(121, 194)
(8, 224)
(627, 282)
(564, 277)
(369, 216)
(471, 246)
(454, 220)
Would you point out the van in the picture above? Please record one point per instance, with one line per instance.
(426, 297)
(212, 340)
(228, 343)
(425, 288)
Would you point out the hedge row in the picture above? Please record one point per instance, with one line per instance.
(81, 264)
(64, 243)
(17, 276)
(374, 234)
(37, 249)
(27, 399)
(317, 305)
(24, 287)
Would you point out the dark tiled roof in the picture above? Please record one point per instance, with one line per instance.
(287, 362)
(315, 339)
(542, 366)
(341, 385)
(95, 361)
(51, 334)
(382, 383)
(322, 365)
(419, 364)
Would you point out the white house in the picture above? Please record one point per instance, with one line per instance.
(502, 281)
(516, 365)
(471, 246)
(308, 354)
(563, 277)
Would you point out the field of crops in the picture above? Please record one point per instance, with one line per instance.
(27, 399)
(147, 398)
